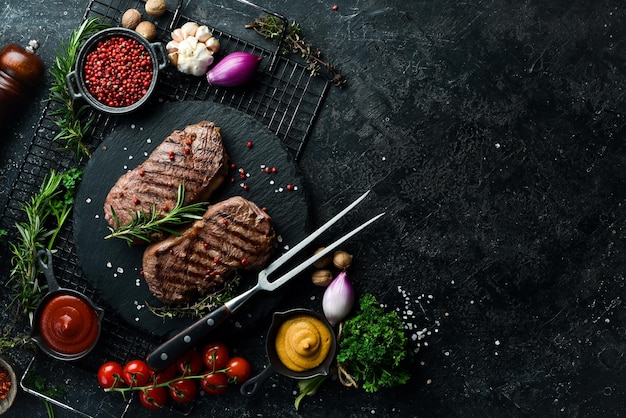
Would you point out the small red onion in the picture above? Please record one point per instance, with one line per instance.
(338, 299)
(234, 69)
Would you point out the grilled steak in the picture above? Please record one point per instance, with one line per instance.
(233, 234)
(194, 156)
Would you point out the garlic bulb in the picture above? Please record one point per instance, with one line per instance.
(191, 48)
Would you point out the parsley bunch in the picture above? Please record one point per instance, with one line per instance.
(373, 347)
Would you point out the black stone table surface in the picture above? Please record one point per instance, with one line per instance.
(492, 133)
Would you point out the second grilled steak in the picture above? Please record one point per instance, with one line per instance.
(194, 157)
(233, 234)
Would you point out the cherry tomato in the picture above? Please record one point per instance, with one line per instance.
(183, 391)
(190, 364)
(165, 375)
(215, 356)
(238, 369)
(153, 398)
(137, 373)
(214, 383)
(110, 374)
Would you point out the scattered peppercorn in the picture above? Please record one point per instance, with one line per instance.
(118, 72)
(335, 7)
(249, 144)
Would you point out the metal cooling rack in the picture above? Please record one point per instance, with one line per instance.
(286, 100)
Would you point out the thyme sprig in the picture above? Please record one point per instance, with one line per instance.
(145, 225)
(203, 306)
(272, 27)
(73, 119)
(46, 212)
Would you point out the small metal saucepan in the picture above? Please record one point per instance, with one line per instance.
(77, 79)
(252, 386)
(67, 323)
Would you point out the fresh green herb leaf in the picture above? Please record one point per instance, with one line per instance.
(145, 226)
(308, 387)
(71, 117)
(46, 212)
(373, 347)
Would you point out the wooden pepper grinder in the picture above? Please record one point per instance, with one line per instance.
(21, 71)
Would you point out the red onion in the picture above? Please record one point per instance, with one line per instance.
(234, 69)
(338, 299)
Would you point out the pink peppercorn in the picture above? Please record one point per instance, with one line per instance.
(118, 72)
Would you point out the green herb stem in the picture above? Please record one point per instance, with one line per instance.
(71, 118)
(144, 226)
(271, 27)
(202, 307)
(46, 213)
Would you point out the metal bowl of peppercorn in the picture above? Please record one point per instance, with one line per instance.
(117, 70)
(8, 385)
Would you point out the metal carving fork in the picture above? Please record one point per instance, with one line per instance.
(168, 352)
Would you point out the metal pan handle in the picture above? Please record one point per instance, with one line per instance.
(251, 386)
(44, 258)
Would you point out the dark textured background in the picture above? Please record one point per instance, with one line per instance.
(493, 136)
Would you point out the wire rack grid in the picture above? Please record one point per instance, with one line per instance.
(285, 98)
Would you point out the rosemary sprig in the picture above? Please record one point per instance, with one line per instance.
(145, 225)
(46, 212)
(271, 27)
(71, 118)
(203, 306)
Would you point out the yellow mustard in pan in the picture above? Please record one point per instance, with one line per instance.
(303, 342)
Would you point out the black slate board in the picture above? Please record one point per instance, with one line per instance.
(114, 268)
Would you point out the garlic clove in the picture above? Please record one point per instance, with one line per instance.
(203, 33)
(173, 57)
(178, 35)
(190, 28)
(212, 45)
(188, 46)
(172, 46)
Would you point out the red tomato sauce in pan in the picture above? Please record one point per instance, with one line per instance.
(68, 324)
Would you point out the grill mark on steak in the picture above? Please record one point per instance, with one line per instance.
(197, 160)
(233, 234)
